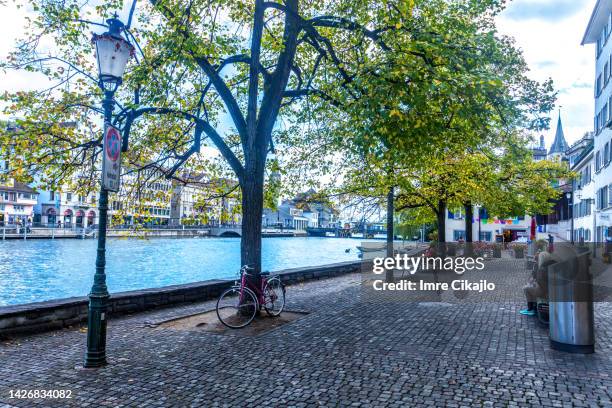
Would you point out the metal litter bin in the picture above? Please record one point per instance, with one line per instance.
(571, 305)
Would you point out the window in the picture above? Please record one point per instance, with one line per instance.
(483, 213)
(52, 196)
(458, 234)
(485, 235)
(598, 85)
(597, 161)
(586, 175)
(68, 196)
(456, 214)
(604, 116)
(610, 195)
(606, 73)
(606, 157)
(602, 198)
(599, 45)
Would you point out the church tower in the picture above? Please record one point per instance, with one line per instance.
(559, 146)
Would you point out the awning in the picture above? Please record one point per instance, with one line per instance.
(68, 213)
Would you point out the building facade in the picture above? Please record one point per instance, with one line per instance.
(583, 191)
(598, 32)
(17, 201)
(289, 216)
(301, 213)
(205, 202)
(485, 227)
(65, 210)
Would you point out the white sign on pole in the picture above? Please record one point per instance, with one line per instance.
(111, 162)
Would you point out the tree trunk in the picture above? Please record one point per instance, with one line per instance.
(469, 233)
(441, 215)
(252, 211)
(469, 217)
(390, 211)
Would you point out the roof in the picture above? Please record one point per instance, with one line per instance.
(598, 19)
(580, 159)
(20, 187)
(559, 144)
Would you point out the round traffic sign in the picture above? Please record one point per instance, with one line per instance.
(113, 144)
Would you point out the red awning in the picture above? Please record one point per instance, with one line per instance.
(51, 211)
(80, 213)
(68, 212)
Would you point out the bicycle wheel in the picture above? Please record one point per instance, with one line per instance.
(274, 297)
(236, 307)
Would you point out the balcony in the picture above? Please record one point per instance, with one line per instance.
(26, 201)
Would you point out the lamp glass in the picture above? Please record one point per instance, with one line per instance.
(112, 54)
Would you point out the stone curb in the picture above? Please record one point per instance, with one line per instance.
(57, 314)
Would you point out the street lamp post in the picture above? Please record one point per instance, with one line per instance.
(112, 53)
(570, 202)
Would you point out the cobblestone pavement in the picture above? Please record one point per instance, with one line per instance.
(354, 348)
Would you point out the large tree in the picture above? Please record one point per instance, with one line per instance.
(457, 90)
(212, 72)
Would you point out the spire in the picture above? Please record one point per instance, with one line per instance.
(559, 146)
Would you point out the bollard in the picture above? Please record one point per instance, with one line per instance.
(571, 305)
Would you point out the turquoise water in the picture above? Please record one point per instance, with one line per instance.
(37, 270)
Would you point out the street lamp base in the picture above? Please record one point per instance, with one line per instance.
(95, 360)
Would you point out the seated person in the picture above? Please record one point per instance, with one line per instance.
(537, 287)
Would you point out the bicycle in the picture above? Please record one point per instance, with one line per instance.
(238, 305)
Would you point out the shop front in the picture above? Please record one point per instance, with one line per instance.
(91, 218)
(68, 218)
(80, 216)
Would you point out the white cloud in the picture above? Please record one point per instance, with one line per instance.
(549, 32)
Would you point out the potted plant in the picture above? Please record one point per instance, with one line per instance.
(519, 250)
(497, 248)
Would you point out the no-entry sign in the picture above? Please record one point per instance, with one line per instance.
(111, 162)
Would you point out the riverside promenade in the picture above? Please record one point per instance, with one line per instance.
(350, 349)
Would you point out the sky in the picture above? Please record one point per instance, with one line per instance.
(548, 31)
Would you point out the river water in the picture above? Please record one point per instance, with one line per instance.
(37, 270)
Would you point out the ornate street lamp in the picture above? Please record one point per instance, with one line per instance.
(112, 54)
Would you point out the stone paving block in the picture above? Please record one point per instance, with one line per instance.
(353, 349)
